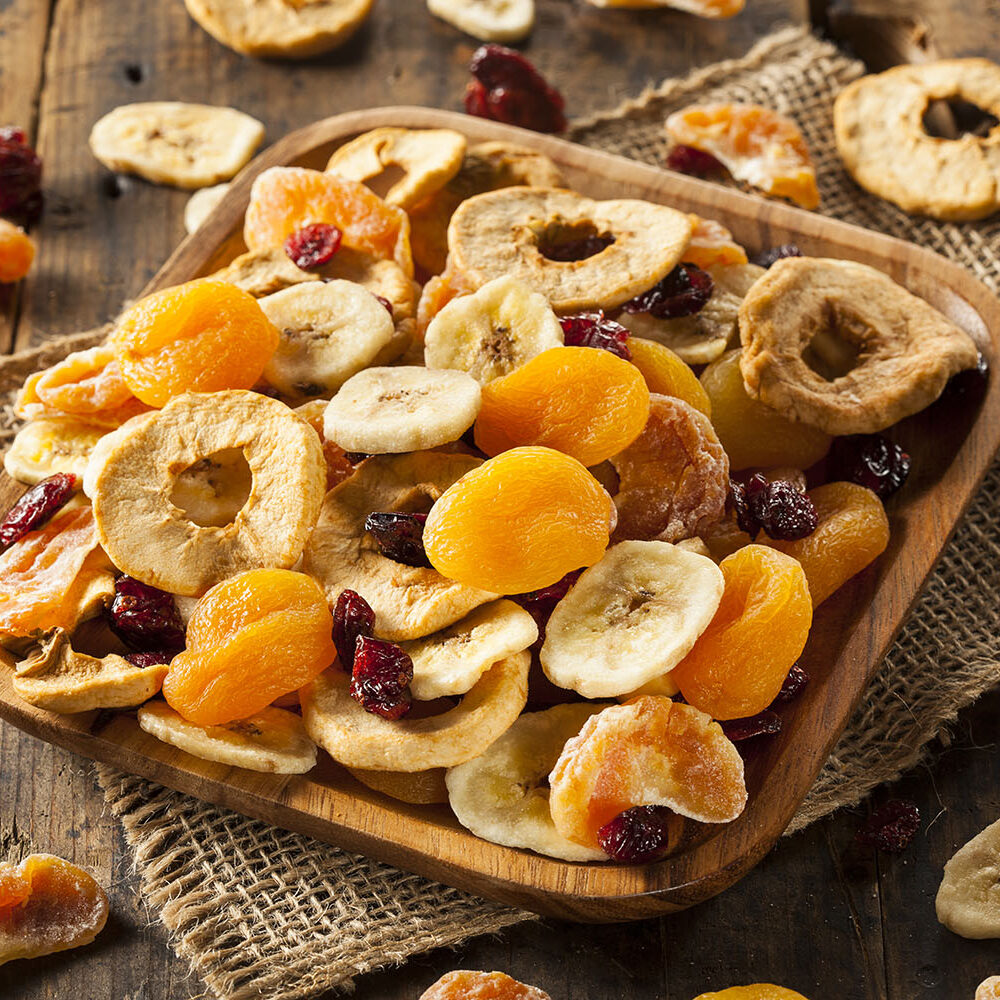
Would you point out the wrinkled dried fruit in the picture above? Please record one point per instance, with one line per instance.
(380, 679)
(88, 383)
(20, 177)
(696, 162)
(764, 723)
(313, 245)
(667, 374)
(755, 991)
(149, 659)
(17, 252)
(463, 985)
(541, 603)
(594, 329)
(891, 827)
(35, 507)
(507, 88)
(683, 292)
(793, 686)
(352, 618)
(870, 460)
(774, 506)
(772, 255)
(145, 617)
(638, 836)
(988, 989)
(713, 246)
(400, 537)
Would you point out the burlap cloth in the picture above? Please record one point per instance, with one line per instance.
(260, 912)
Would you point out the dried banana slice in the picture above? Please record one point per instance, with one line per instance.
(492, 332)
(630, 618)
(488, 20)
(503, 796)
(44, 447)
(450, 662)
(274, 740)
(408, 601)
(57, 678)
(263, 272)
(201, 205)
(428, 158)
(184, 145)
(329, 331)
(131, 481)
(419, 788)
(968, 901)
(358, 738)
(392, 410)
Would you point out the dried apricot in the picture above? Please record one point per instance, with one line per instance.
(667, 374)
(202, 336)
(753, 434)
(712, 245)
(737, 666)
(285, 199)
(579, 400)
(755, 991)
(674, 478)
(17, 251)
(465, 985)
(519, 522)
(853, 531)
(437, 293)
(652, 751)
(251, 639)
(47, 905)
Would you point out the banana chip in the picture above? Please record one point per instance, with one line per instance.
(44, 447)
(201, 205)
(488, 20)
(968, 901)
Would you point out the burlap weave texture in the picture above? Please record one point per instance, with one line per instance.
(264, 913)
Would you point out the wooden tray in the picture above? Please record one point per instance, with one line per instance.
(952, 446)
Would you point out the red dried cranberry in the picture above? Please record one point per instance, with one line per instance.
(541, 603)
(507, 88)
(683, 292)
(969, 384)
(148, 659)
(594, 329)
(352, 617)
(764, 723)
(696, 162)
(313, 245)
(870, 460)
(737, 502)
(891, 827)
(380, 680)
(768, 257)
(35, 507)
(11, 133)
(579, 249)
(387, 304)
(793, 685)
(779, 509)
(637, 836)
(145, 617)
(20, 177)
(399, 536)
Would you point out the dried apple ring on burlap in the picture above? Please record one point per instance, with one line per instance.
(358, 738)
(840, 346)
(506, 232)
(150, 538)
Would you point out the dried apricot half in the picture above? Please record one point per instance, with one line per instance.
(755, 991)
(17, 251)
(667, 374)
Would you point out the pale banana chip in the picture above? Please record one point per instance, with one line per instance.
(488, 20)
(201, 205)
(273, 741)
(44, 447)
(968, 900)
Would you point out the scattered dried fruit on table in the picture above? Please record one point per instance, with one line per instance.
(488, 20)
(507, 88)
(870, 460)
(201, 205)
(17, 252)
(380, 678)
(891, 827)
(988, 989)
(20, 177)
(966, 901)
(463, 985)
(667, 375)
(755, 991)
(313, 245)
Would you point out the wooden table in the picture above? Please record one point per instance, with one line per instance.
(817, 915)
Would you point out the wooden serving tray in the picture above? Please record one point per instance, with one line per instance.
(952, 446)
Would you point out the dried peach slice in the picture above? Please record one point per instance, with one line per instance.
(666, 373)
(466, 985)
(712, 245)
(755, 144)
(17, 251)
(652, 751)
(84, 382)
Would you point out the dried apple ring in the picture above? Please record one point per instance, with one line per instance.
(503, 233)
(149, 538)
(357, 738)
(652, 751)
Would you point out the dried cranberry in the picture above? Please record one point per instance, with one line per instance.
(313, 245)
(541, 603)
(764, 723)
(891, 827)
(148, 659)
(637, 836)
(737, 502)
(970, 383)
(594, 329)
(35, 507)
(768, 257)
(683, 292)
(776, 507)
(793, 685)
(870, 460)
(387, 304)
(578, 249)
(380, 680)
(352, 617)
(20, 177)
(696, 162)
(507, 88)
(145, 617)
(356, 457)
(399, 536)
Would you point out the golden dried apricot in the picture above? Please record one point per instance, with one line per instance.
(251, 638)
(519, 522)
(202, 336)
(582, 401)
(753, 434)
(466, 985)
(737, 666)
(84, 382)
(437, 293)
(712, 245)
(17, 251)
(853, 531)
(667, 374)
(755, 991)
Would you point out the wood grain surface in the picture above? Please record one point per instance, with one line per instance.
(816, 915)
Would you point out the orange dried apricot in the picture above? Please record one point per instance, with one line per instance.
(437, 293)
(84, 382)
(202, 336)
(853, 531)
(519, 522)
(251, 638)
(755, 991)
(47, 905)
(753, 434)
(17, 251)
(674, 478)
(463, 984)
(582, 401)
(285, 199)
(666, 374)
(712, 245)
(737, 666)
